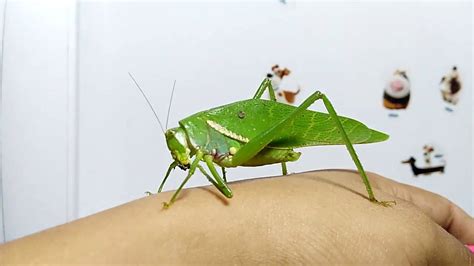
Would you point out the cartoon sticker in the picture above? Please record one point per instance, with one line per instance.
(396, 94)
(432, 161)
(285, 92)
(450, 87)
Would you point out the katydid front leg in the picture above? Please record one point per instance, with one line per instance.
(170, 168)
(255, 145)
(192, 169)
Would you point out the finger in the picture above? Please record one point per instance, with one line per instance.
(445, 213)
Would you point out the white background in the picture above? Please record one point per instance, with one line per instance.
(2, 10)
(56, 168)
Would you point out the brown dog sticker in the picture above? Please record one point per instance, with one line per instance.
(282, 92)
(450, 86)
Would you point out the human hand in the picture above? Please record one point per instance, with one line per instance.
(316, 217)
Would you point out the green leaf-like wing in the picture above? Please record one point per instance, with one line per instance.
(250, 118)
(376, 136)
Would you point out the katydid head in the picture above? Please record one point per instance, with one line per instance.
(175, 137)
(178, 146)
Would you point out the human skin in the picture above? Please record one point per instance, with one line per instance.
(321, 217)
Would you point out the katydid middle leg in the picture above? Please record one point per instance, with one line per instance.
(254, 146)
(219, 182)
(224, 174)
(284, 170)
(209, 178)
(267, 85)
(192, 169)
(224, 190)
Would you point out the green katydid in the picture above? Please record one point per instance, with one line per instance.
(258, 132)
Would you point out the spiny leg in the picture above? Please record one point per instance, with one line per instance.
(192, 169)
(352, 152)
(171, 167)
(224, 173)
(220, 184)
(221, 188)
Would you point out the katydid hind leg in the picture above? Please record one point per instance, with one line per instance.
(352, 152)
(191, 171)
(259, 142)
(255, 145)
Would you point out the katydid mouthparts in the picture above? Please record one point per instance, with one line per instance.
(258, 132)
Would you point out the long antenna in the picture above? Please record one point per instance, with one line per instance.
(146, 98)
(169, 105)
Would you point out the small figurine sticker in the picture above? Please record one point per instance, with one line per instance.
(396, 94)
(450, 87)
(429, 155)
(282, 93)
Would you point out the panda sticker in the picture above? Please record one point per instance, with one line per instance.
(396, 94)
(450, 87)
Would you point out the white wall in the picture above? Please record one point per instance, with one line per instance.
(2, 17)
(35, 116)
(218, 53)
